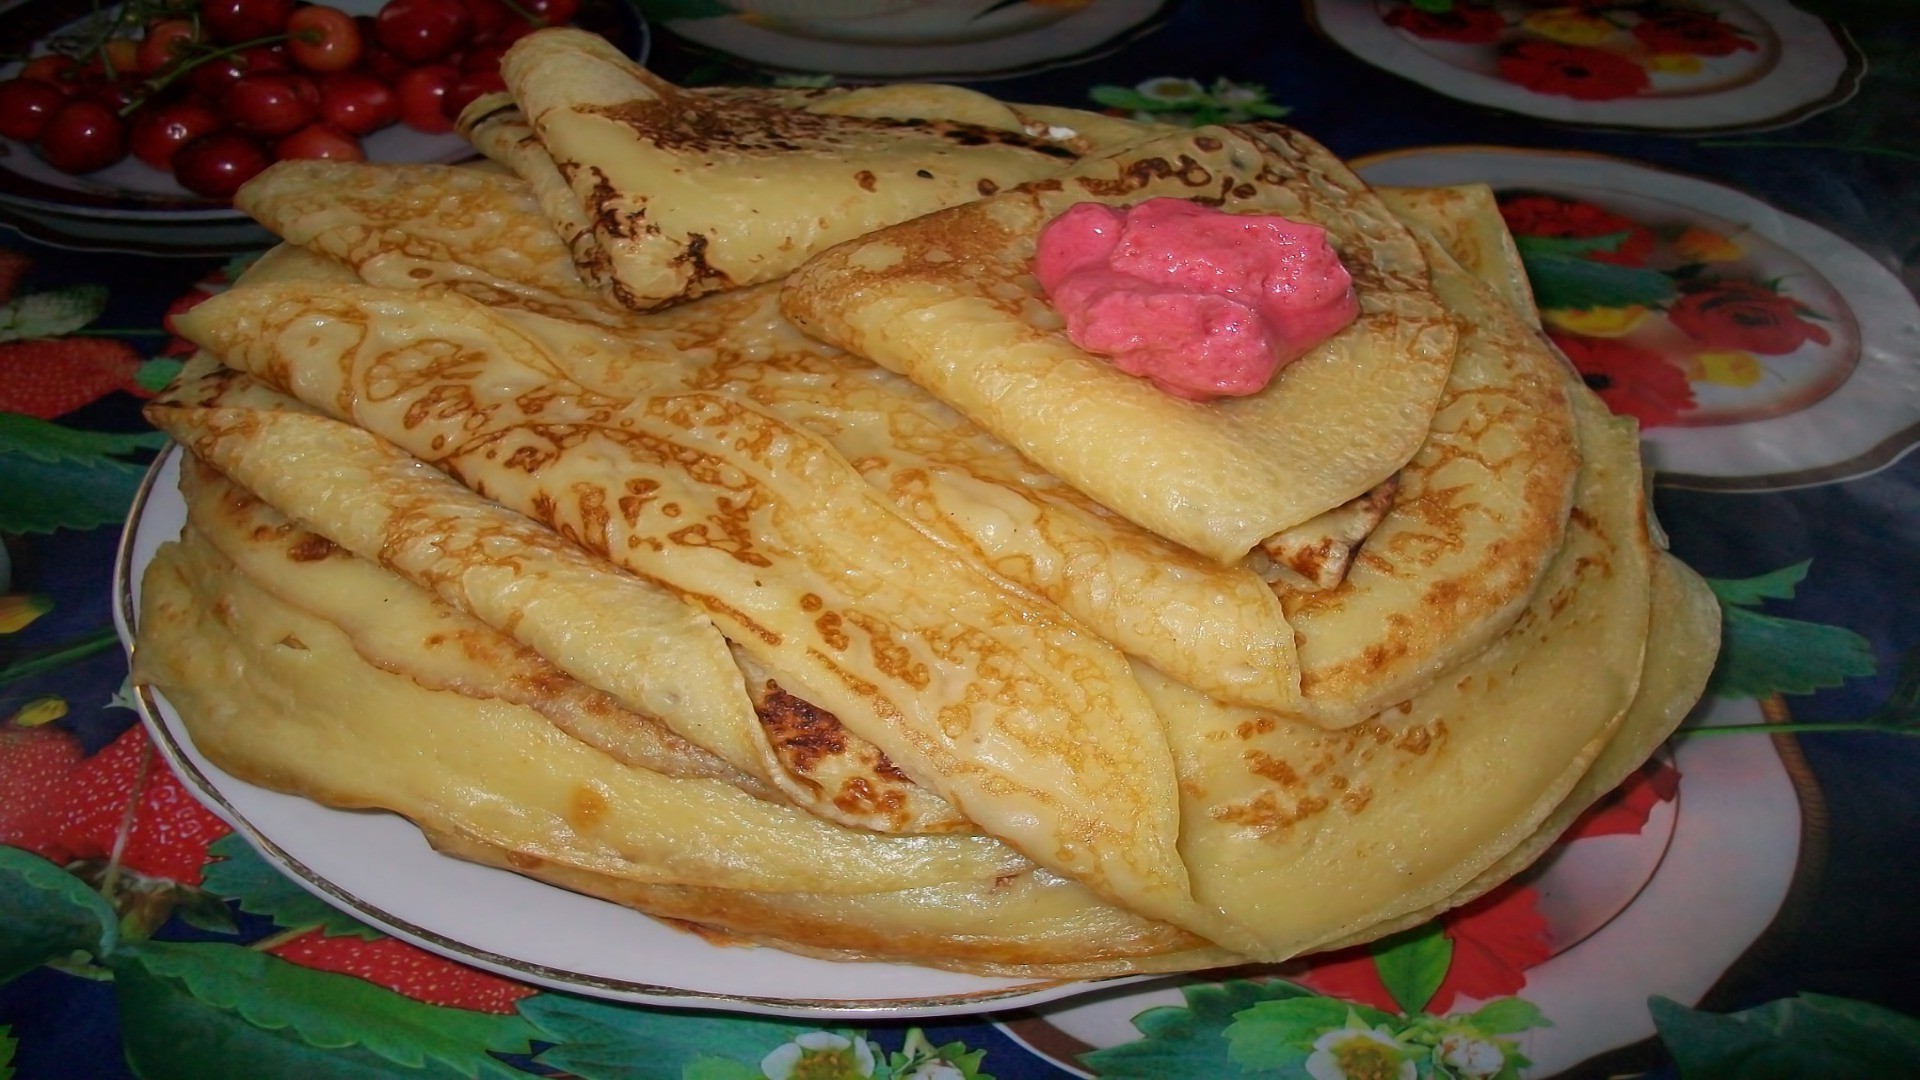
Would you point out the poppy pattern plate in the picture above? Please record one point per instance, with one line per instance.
(1675, 65)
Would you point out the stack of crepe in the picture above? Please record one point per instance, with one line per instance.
(700, 507)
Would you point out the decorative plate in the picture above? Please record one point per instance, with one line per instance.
(1666, 65)
(921, 39)
(1730, 858)
(1758, 350)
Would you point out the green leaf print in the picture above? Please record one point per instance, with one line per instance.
(1189, 1043)
(48, 914)
(602, 1040)
(1413, 964)
(1806, 1036)
(209, 1011)
(243, 875)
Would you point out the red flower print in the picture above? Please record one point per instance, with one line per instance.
(1544, 215)
(1580, 72)
(1744, 315)
(1697, 33)
(1495, 940)
(1465, 23)
(1624, 810)
(1633, 381)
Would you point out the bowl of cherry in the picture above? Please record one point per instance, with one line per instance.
(130, 127)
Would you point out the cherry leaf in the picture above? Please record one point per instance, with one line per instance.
(1809, 1035)
(598, 1040)
(1750, 592)
(203, 1009)
(49, 914)
(1413, 964)
(1190, 1043)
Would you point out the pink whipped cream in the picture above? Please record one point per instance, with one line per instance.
(1204, 303)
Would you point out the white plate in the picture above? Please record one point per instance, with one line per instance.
(925, 39)
(1731, 863)
(378, 868)
(1822, 433)
(1799, 65)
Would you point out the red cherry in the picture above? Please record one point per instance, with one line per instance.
(26, 105)
(421, 31)
(552, 12)
(320, 141)
(164, 43)
(215, 77)
(234, 21)
(488, 17)
(467, 88)
(158, 131)
(272, 105)
(357, 103)
(216, 165)
(422, 93)
(83, 136)
(324, 39)
(483, 59)
(60, 71)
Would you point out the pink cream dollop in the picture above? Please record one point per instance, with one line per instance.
(1203, 303)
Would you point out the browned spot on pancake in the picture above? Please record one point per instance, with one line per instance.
(292, 642)
(1415, 740)
(1268, 767)
(801, 732)
(1257, 726)
(587, 809)
(1356, 798)
(832, 631)
(310, 548)
(986, 187)
(1265, 813)
(520, 860)
(865, 179)
(811, 602)
(858, 796)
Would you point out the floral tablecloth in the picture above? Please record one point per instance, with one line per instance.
(1718, 207)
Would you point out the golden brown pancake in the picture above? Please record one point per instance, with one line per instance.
(949, 300)
(675, 186)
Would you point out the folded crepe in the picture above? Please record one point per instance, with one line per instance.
(683, 195)
(1485, 497)
(846, 561)
(949, 300)
(1026, 723)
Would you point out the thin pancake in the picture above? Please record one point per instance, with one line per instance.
(1026, 723)
(1309, 836)
(675, 185)
(260, 684)
(949, 300)
(400, 627)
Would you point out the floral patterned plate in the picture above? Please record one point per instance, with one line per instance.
(1670, 65)
(1732, 857)
(921, 39)
(1757, 350)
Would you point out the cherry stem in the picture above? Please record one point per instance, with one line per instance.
(110, 881)
(161, 82)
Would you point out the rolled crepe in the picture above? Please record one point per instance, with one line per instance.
(685, 196)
